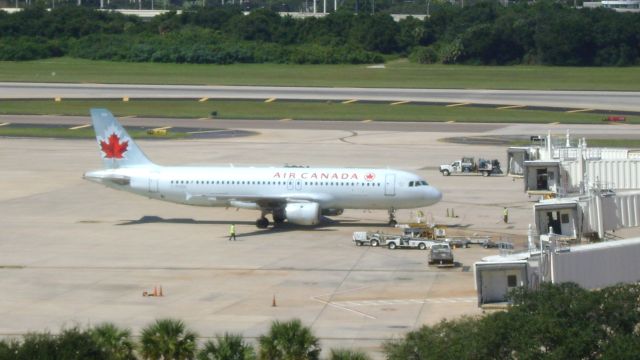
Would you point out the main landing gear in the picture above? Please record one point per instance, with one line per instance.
(392, 217)
(262, 223)
(278, 218)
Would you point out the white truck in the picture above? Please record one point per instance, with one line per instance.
(468, 165)
(408, 242)
(371, 238)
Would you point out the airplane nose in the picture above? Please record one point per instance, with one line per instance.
(433, 195)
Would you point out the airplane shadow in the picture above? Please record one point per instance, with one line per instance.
(324, 225)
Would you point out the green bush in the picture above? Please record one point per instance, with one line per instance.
(424, 55)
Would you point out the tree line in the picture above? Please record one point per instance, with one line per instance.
(170, 339)
(544, 32)
(553, 322)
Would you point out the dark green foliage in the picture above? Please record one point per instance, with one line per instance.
(116, 343)
(289, 341)
(168, 339)
(424, 55)
(227, 347)
(557, 321)
(70, 344)
(542, 32)
(346, 354)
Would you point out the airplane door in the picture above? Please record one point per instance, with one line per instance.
(290, 183)
(390, 185)
(298, 185)
(153, 182)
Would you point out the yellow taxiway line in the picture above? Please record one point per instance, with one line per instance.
(399, 103)
(5, 123)
(349, 101)
(162, 128)
(58, 99)
(270, 100)
(80, 127)
(285, 119)
(203, 99)
(458, 104)
(125, 98)
(367, 121)
(578, 111)
(511, 107)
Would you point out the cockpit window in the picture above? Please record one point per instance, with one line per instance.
(418, 183)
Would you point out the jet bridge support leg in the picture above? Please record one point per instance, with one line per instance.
(392, 217)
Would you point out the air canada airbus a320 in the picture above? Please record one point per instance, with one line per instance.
(299, 195)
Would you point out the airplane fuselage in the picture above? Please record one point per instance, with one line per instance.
(339, 188)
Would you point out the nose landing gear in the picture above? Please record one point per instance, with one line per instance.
(392, 217)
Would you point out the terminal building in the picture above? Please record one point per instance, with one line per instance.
(586, 194)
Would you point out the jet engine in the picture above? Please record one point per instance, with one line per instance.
(332, 212)
(303, 213)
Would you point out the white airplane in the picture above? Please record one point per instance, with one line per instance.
(299, 195)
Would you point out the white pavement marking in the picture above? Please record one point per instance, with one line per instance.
(286, 119)
(5, 123)
(203, 99)
(367, 121)
(205, 131)
(399, 103)
(455, 300)
(80, 127)
(270, 100)
(349, 101)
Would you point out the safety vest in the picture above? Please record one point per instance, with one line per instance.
(232, 229)
(506, 212)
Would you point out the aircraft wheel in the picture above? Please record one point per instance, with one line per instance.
(262, 223)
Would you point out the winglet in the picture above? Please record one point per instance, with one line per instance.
(117, 148)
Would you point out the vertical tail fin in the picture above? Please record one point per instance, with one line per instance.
(116, 146)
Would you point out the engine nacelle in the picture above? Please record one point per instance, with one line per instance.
(332, 212)
(303, 213)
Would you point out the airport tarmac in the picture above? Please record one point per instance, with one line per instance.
(75, 253)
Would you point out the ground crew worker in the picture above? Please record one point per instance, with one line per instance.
(232, 232)
(505, 214)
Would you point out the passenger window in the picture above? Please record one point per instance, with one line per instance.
(410, 183)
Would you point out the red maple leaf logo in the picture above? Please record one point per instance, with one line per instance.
(114, 149)
(370, 176)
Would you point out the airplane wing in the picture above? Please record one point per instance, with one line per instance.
(264, 202)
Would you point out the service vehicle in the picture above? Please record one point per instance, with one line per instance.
(370, 238)
(441, 255)
(423, 230)
(468, 165)
(408, 242)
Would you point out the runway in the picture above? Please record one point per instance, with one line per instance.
(597, 100)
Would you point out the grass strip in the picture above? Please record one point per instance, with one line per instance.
(395, 74)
